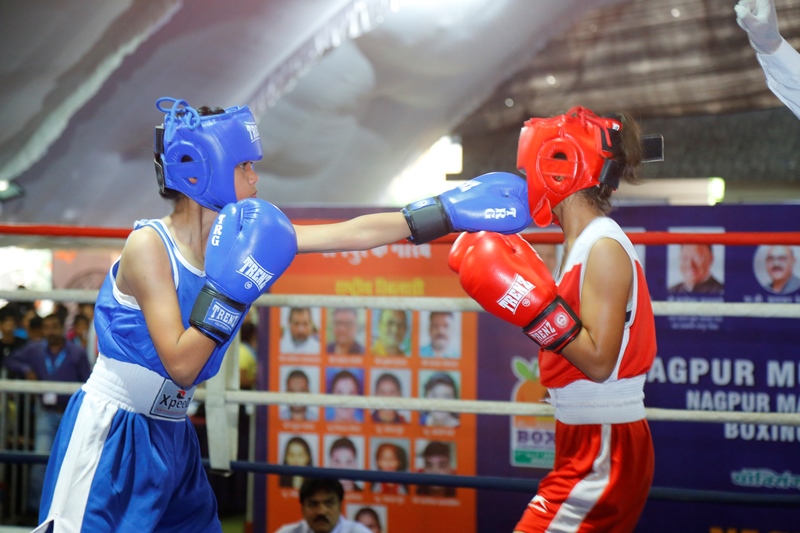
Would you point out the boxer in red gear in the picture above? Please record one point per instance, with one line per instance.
(595, 365)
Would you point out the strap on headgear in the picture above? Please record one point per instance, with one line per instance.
(197, 155)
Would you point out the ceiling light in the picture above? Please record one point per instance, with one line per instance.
(716, 190)
(427, 176)
(9, 190)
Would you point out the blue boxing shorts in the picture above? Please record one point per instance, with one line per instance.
(127, 459)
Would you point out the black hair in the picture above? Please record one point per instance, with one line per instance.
(313, 485)
(297, 373)
(628, 153)
(248, 332)
(386, 376)
(346, 374)
(302, 442)
(9, 311)
(54, 316)
(344, 443)
(435, 448)
(36, 322)
(371, 512)
(399, 452)
(440, 378)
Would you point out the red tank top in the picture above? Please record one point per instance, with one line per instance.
(638, 349)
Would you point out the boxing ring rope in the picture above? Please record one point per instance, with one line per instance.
(506, 484)
(730, 238)
(480, 407)
(220, 396)
(428, 303)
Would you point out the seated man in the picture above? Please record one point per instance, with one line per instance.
(321, 505)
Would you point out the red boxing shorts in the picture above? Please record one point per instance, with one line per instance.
(600, 480)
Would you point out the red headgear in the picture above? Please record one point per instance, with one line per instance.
(565, 154)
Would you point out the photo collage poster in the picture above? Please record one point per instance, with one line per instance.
(378, 352)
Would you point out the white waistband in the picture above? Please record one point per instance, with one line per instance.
(587, 402)
(138, 389)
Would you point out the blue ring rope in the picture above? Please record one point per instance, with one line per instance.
(469, 482)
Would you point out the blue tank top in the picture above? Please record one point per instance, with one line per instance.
(122, 333)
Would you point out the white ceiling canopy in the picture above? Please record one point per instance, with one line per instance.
(347, 93)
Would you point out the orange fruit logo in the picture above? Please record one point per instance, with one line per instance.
(528, 389)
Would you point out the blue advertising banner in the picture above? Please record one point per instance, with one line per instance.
(704, 363)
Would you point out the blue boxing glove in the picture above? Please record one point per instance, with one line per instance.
(497, 201)
(250, 245)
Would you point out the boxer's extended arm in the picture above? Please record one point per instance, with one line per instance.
(497, 201)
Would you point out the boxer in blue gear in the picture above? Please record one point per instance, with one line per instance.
(126, 457)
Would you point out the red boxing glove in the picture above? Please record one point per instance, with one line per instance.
(463, 243)
(508, 278)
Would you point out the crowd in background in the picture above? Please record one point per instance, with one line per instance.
(54, 342)
(42, 343)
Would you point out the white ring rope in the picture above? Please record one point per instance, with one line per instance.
(483, 407)
(232, 396)
(428, 303)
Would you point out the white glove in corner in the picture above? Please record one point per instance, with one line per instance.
(758, 19)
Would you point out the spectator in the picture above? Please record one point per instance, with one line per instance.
(62, 311)
(10, 341)
(442, 337)
(18, 412)
(321, 505)
(300, 334)
(248, 364)
(86, 309)
(20, 309)
(695, 265)
(53, 360)
(33, 326)
(345, 329)
(79, 331)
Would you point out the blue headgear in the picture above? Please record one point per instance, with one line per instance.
(206, 148)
